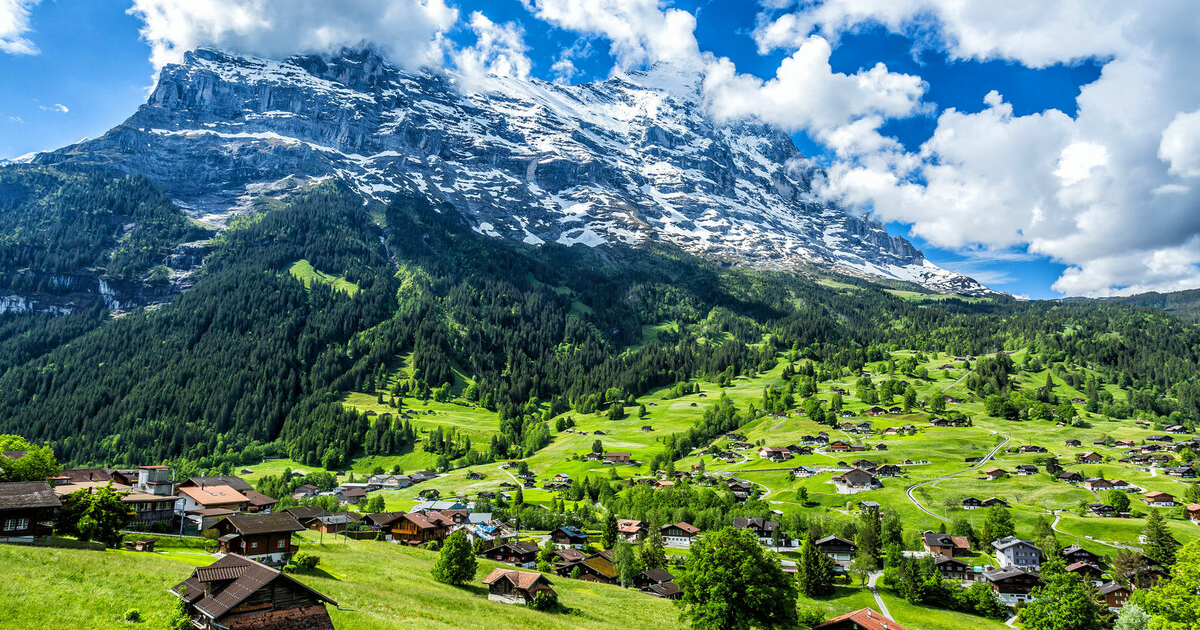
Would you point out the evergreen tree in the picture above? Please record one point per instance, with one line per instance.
(814, 572)
(1160, 544)
(456, 564)
(653, 555)
(609, 539)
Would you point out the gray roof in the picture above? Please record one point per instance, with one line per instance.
(1013, 541)
(27, 495)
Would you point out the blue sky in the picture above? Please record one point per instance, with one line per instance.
(92, 68)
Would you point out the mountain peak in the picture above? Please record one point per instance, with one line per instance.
(628, 160)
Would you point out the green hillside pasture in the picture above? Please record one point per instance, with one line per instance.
(303, 271)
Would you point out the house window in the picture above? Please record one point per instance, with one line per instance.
(254, 545)
(16, 524)
(281, 544)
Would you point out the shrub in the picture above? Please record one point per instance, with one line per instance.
(305, 561)
(133, 615)
(544, 601)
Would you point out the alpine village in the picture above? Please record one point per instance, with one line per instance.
(330, 339)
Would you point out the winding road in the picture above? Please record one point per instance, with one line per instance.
(909, 491)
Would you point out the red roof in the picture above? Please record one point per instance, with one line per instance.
(866, 618)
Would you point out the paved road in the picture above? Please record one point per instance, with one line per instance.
(878, 600)
(1058, 517)
(909, 491)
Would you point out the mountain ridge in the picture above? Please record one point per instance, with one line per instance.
(621, 161)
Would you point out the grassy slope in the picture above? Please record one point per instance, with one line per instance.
(945, 449)
(303, 271)
(387, 586)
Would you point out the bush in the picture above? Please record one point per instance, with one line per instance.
(544, 601)
(133, 615)
(305, 561)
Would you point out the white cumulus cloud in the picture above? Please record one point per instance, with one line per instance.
(1110, 191)
(499, 50)
(14, 25)
(409, 31)
(640, 31)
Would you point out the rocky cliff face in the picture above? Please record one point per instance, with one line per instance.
(628, 160)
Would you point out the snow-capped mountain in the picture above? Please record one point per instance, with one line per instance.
(631, 159)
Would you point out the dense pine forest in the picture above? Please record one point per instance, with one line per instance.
(250, 361)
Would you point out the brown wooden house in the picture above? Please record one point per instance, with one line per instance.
(236, 593)
(23, 507)
(515, 587)
(415, 529)
(522, 554)
(265, 538)
(595, 568)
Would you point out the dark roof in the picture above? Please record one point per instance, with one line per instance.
(572, 531)
(524, 547)
(658, 575)
(1111, 587)
(27, 495)
(237, 483)
(665, 589)
(78, 475)
(384, 519)
(259, 499)
(251, 524)
(830, 539)
(247, 578)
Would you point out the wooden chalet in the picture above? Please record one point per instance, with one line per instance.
(953, 568)
(515, 587)
(631, 529)
(1088, 571)
(1114, 595)
(856, 479)
(212, 497)
(265, 538)
(1159, 499)
(1075, 553)
(679, 534)
(971, 503)
(1013, 584)
(237, 593)
(569, 536)
(946, 545)
(617, 458)
(764, 529)
(522, 554)
(594, 568)
(652, 576)
(836, 548)
(420, 528)
(1089, 457)
(24, 506)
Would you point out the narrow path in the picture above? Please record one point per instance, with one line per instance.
(1117, 545)
(874, 591)
(960, 379)
(909, 491)
(1012, 622)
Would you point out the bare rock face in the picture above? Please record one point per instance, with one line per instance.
(632, 159)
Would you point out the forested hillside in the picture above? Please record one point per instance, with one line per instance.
(251, 361)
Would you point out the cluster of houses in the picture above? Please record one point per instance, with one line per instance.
(1015, 573)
